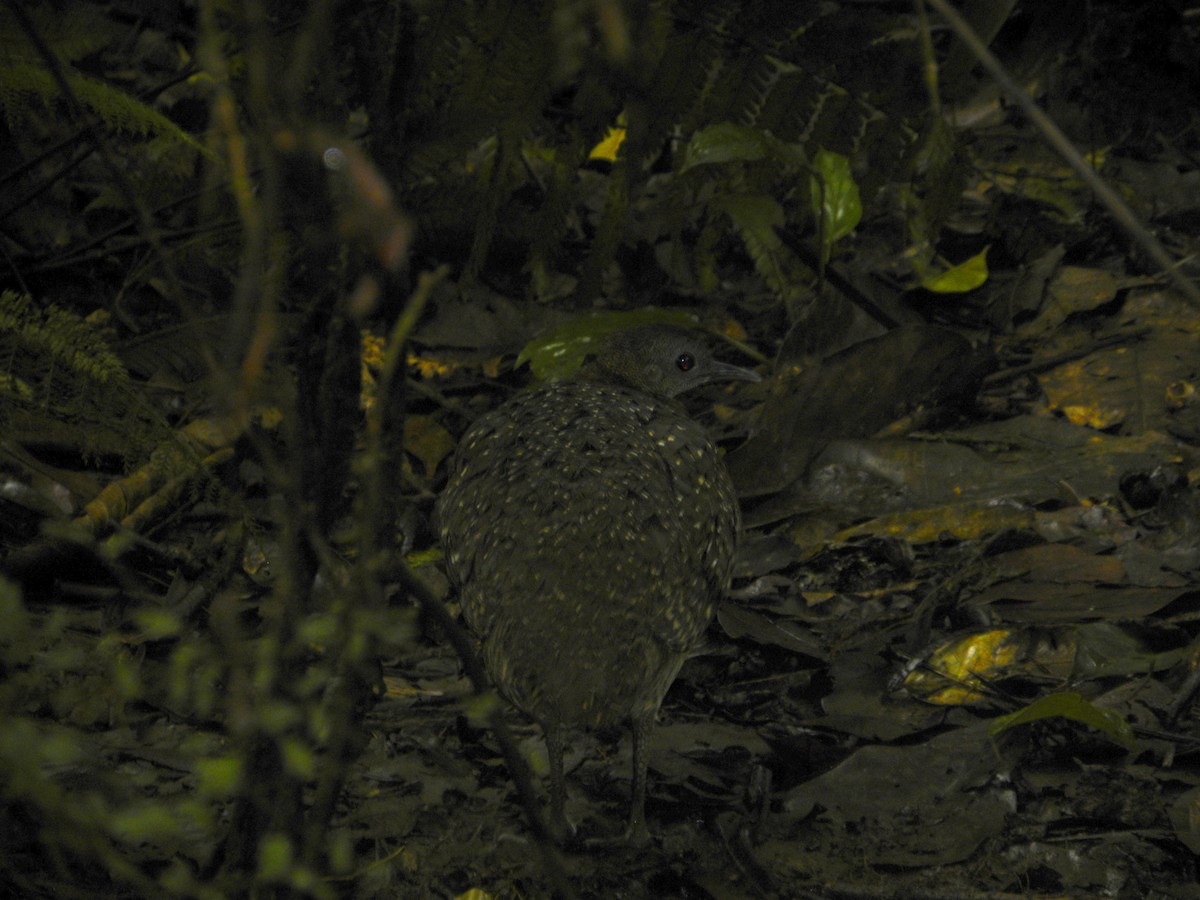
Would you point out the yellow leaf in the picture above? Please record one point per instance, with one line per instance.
(961, 278)
(613, 138)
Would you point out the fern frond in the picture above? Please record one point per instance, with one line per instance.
(55, 368)
(24, 83)
(56, 355)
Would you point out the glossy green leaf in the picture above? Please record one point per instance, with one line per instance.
(1069, 705)
(757, 214)
(962, 278)
(729, 142)
(836, 202)
(726, 142)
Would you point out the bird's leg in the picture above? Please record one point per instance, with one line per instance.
(637, 833)
(560, 826)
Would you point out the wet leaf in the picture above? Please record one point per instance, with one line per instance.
(958, 672)
(1185, 819)
(959, 279)
(1108, 649)
(1069, 705)
(836, 204)
(729, 142)
(925, 804)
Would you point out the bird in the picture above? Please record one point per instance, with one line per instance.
(589, 527)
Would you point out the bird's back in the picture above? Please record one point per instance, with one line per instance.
(591, 529)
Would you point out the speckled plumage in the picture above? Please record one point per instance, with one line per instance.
(589, 525)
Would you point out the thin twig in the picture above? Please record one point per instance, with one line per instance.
(1044, 125)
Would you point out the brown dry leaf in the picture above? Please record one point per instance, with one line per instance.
(1061, 583)
(1060, 563)
(930, 803)
(965, 521)
(1185, 819)
(1046, 602)
(1023, 460)
(1073, 289)
(1086, 391)
(1131, 383)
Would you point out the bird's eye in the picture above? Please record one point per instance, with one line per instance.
(684, 362)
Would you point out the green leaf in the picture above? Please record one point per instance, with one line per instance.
(114, 108)
(729, 142)
(479, 708)
(59, 750)
(1108, 649)
(561, 352)
(156, 624)
(342, 856)
(836, 203)
(1069, 705)
(277, 716)
(725, 142)
(318, 629)
(126, 674)
(961, 278)
(219, 776)
(755, 214)
(142, 822)
(298, 758)
(275, 857)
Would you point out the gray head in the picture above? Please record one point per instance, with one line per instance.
(664, 360)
